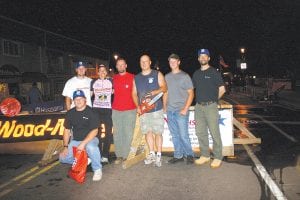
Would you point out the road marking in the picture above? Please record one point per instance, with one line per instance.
(38, 173)
(20, 176)
(291, 138)
(27, 179)
(278, 194)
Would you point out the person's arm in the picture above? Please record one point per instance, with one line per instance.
(66, 138)
(68, 102)
(165, 99)
(162, 85)
(222, 91)
(135, 97)
(188, 102)
(91, 135)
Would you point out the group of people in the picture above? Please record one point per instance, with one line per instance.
(116, 102)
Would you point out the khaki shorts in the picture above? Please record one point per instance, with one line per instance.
(152, 122)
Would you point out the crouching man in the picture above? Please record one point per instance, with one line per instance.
(81, 126)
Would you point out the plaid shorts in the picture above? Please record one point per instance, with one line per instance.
(152, 122)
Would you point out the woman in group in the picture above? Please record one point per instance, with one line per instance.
(102, 91)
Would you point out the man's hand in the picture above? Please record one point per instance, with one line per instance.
(81, 146)
(138, 110)
(64, 153)
(183, 111)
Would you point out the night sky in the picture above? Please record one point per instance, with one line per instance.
(269, 30)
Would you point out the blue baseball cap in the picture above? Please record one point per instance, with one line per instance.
(203, 51)
(78, 93)
(80, 63)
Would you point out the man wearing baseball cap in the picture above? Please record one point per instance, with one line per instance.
(83, 122)
(209, 89)
(78, 82)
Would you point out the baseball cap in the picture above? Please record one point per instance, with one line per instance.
(78, 93)
(175, 56)
(80, 63)
(203, 51)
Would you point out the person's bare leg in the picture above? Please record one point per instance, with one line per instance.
(150, 141)
(158, 142)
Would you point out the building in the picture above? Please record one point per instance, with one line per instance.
(29, 54)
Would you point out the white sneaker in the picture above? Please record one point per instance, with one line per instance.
(158, 161)
(89, 161)
(97, 175)
(149, 159)
(104, 160)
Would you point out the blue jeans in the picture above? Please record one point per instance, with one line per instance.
(178, 126)
(92, 150)
(208, 117)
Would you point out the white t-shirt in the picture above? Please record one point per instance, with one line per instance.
(76, 83)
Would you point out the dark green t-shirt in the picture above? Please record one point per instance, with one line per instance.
(81, 122)
(207, 84)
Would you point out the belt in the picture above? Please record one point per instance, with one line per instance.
(206, 103)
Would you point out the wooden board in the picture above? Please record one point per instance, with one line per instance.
(139, 148)
(52, 152)
(251, 139)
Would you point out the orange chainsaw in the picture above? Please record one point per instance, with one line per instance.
(148, 103)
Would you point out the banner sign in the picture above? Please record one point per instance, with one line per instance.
(37, 127)
(225, 124)
(25, 128)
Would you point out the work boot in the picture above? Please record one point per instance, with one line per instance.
(202, 160)
(216, 163)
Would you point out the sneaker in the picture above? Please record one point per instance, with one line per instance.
(118, 160)
(202, 160)
(97, 175)
(158, 161)
(89, 161)
(175, 160)
(150, 159)
(216, 163)
(104, 160)
(189, 160)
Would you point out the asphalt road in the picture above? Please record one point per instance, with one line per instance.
(238, 178)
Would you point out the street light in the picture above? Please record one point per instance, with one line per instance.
(116, 56)
(243, 66)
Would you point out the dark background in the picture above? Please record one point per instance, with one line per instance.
(268, 29)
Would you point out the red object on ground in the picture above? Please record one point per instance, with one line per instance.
(10, 107)
(78, 169)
